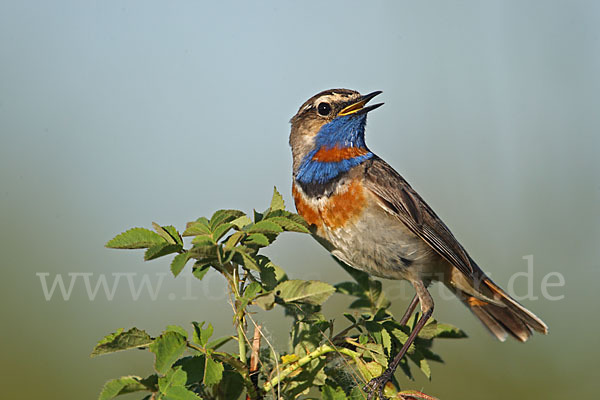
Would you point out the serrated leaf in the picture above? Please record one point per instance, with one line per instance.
(246, 260)
(160, 250)
(265, 226)
(221, 230)
(200, 270)
(203, 240)
(312, 292)
(257, 239)
(289, 225)
(270, 274)
(213, 371)
(167, 348)
(242, 221)
(120, 340)
(199, 227)
(169, 233)
(277, 201)
(350, 288)
(224, 216)
(386, 340)
(123, 385)
(202, 252)
(135, 238)
(437, 330)
(179, 262)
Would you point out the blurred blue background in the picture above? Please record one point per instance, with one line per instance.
(114, 114)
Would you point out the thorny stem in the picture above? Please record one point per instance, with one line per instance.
(318, 352)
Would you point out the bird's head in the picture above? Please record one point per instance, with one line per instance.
(329, 128)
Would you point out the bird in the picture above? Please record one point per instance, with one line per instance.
(369, 217)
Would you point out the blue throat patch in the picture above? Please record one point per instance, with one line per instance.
(343, 132)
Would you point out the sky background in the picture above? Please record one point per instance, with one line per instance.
(114, 114)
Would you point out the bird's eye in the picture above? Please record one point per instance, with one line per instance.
(324, 109)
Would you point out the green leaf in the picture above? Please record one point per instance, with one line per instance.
(160, 250)
(289, 225)
(265, 226)
(312, 292)
(213, 371)
(178, 329)
(179, 262)
(270, 274)
(193, 366)
(418, 358)
(350, 288)
(204, 251)
(168, 347)
(231, 386)
(386, 340)
(203, 240)
(252, 290)
(246, 260)
(265, 301)
(224, 216)
(242, 221)
(169, 233)
(174, 377)
(329, 393)
(434, 330)
(221, 230)
(357, 394)
(199, 227)
(201, 334)
(200, 270)
(277, 201)
(180, 393)
(123, 385)
(120, 340)
(257, 239)
(135, 238)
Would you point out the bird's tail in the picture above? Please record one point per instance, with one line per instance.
(499, 312)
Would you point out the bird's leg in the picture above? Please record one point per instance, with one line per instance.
(410, 310)
(376, 385)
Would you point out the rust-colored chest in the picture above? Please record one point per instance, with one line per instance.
(335, 211)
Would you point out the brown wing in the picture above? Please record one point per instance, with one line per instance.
(411, 209)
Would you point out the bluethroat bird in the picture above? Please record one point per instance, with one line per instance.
(370, 218)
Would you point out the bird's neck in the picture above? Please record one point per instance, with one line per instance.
(339, 146)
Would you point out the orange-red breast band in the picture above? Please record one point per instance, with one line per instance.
(336, 154)
(335, 211)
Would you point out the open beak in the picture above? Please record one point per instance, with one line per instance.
(359, 107)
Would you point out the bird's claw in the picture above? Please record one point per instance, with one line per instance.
(376, 386)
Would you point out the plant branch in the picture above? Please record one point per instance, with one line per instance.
(318, 352)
